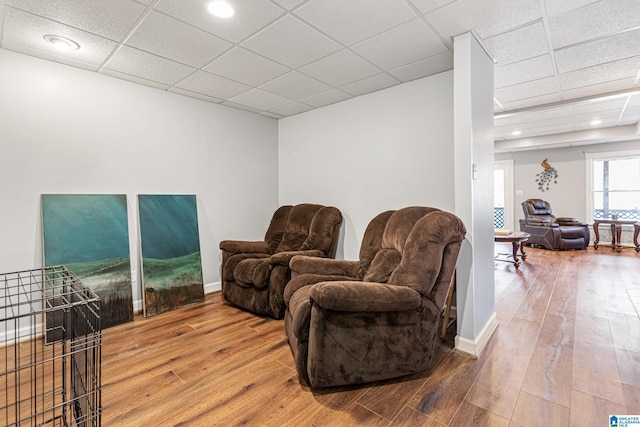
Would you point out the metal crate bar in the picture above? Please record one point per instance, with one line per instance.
(50, 350)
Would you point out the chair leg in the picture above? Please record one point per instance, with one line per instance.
(447, 310)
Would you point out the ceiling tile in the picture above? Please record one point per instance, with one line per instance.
(523, 71)
(289, 4)
(527, 90)
(564, 113)
(523, 43)
(134, 79)
(487, 17)
(550, 121)
(555, 7)
(197, 95)
(340, 68)
(594, 106)
(291, 109)
(425, 67)
(391, 49)
(593, 21)
(634, 100)
(212, 85)
(598, 89)
(291, 42)
(532, 102)
(167, 37)
(549, 130)
(370, 84)
(246, 67)
(151, 67)
(631, 114)
(344, 21)
(295, 86)
(112, 19)
(586, 125)
(509, 120)
(249, 16)
(598, 115)
(325, 98)
(242, 107)
(613, 48)
(625, 68)
(27, 30)
(260, 99)
(425, 6)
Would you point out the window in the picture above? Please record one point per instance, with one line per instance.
(614, 190)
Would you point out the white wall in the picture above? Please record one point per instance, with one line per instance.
(568, 196)
(66, 130)
(385, 150)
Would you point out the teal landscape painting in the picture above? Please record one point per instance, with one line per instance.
(89, 234)
(170, 246)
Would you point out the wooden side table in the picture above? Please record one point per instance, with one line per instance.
(616, 232)
(517, 240)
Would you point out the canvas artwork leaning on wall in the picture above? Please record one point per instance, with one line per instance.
(170, 252)
(89, 235)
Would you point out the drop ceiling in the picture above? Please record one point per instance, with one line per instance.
(559, 65)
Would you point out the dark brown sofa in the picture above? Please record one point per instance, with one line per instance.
(550, 232)
(351, 322)
(254, 274)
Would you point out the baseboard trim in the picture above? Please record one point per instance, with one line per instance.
(212, 287)
(475, 347)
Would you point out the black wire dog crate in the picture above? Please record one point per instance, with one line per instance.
(50, 347)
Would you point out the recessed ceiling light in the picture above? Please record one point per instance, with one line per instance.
(221, 9)
(595, 122)
(61, 43)
(516, 133)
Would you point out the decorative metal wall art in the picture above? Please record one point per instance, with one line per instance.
(545, 177)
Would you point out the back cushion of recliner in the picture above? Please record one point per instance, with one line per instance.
(400, 225)
(321, 230)
(396, 231)
(274, 233)
(383, 264)
(297, 229)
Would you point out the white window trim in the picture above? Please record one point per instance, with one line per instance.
(510, 209)
(589, 158)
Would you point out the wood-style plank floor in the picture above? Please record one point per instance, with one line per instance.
(566, 353)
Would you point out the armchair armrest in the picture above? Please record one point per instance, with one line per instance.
(569, 221)
(283, 258)
(537, 222)
(325, 266)
(364, 296)
(241, 246)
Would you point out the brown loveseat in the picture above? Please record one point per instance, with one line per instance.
(352, 322)
(550, 232)
(254, 274)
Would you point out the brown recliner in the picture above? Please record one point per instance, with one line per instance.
(352, 322)
(255, 273)
(550, 232)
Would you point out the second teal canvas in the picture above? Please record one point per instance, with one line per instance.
(170, 247)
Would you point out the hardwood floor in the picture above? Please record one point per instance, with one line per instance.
(566, 353)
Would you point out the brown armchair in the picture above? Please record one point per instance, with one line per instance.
(352, 322)
(254, 274)
(550, 232)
